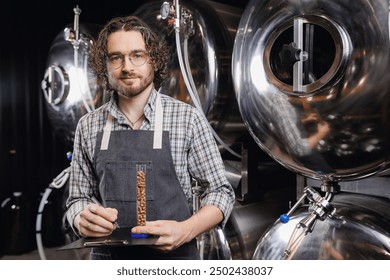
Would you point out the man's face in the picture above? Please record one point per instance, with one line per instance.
(127, 79)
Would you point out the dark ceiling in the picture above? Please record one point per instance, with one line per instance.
(38, 22)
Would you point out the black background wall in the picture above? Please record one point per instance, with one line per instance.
(31, 155)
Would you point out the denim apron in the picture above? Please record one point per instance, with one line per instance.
(116, 166)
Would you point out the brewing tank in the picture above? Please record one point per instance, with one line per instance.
(69, 86)
(359, 230)
(207, 32)
(312, 81)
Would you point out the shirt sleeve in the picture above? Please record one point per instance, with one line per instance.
(82, 181)
(206, 166)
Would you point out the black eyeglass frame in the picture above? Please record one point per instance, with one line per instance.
(116, 60)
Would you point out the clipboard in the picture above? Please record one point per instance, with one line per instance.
(119, 237)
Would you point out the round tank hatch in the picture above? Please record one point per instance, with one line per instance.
(55, 85)
(305, 54)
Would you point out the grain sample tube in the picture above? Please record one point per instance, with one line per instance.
(141, 194)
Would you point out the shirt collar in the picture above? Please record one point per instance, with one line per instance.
(148, 110)
(113, 108)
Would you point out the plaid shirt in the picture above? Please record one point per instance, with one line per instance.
(194, 152)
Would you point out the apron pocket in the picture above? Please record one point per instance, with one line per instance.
(120, 180)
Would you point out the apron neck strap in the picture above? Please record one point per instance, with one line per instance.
(106, 133)
(158, 127)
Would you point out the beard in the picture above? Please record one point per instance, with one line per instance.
(130, 88)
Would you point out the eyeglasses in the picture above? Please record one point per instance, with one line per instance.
(137, 58)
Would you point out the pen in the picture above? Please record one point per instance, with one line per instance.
(94, 200)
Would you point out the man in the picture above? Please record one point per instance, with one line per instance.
(140, 126)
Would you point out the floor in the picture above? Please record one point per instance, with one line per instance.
(49, 254)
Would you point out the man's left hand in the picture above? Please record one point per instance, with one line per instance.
(171, 234)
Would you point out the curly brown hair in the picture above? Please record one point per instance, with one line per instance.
(156, 47)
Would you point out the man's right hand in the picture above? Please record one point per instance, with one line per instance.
(96, 221)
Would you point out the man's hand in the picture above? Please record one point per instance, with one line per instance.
(96, 221)
(171, 234)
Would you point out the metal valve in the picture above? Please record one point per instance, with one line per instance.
(320, 206)
(319, 209)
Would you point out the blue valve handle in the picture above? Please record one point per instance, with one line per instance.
(69, 156)
(284, 218)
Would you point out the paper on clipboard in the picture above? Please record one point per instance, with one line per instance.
(120, 237)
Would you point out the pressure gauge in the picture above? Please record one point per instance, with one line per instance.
(165, 10)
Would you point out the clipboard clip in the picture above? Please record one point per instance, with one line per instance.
(105, 243)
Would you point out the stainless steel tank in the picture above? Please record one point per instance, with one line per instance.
(312, 81)
(210, 29)
(360, 229)
(69, 86)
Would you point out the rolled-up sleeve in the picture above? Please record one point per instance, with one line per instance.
(206, 166)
